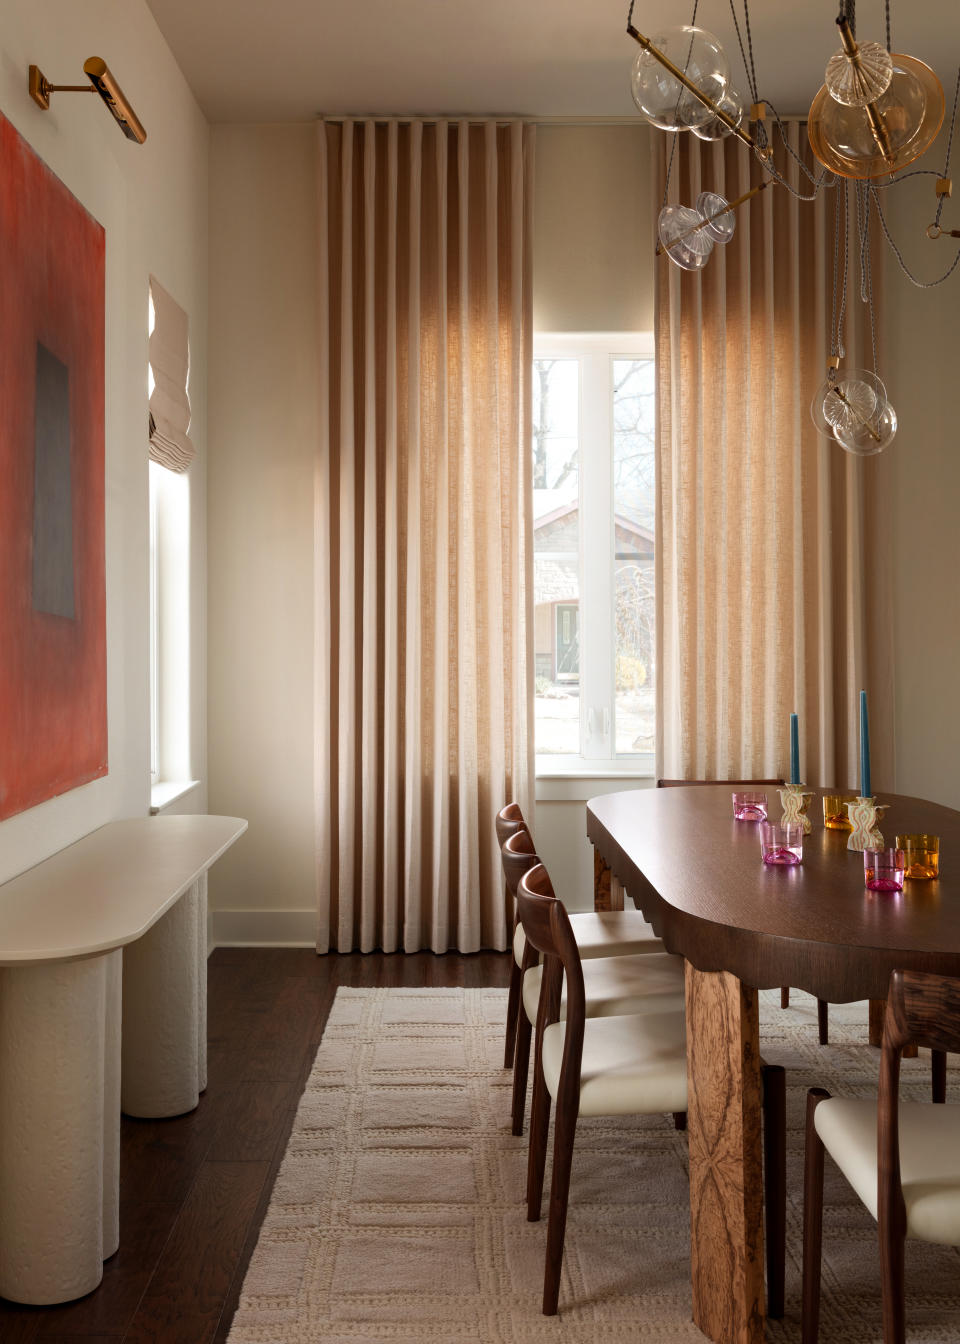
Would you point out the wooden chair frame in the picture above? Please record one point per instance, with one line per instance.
(921, 1010)
(509, 820)
(518, 856)
(549, 934)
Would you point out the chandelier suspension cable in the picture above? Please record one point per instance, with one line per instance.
(946, 166)
(841, 349)
(920, 284)
(750, 71)
(886, 9)
(866, 269)
(863, 237)
(673, 146)
(933, 230)
(823, 179)
(836, 344)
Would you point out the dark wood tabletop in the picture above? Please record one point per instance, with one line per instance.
(698, 877)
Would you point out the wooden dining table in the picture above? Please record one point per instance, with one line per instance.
(742, 926)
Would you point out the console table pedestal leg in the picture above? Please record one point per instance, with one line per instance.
(59, 1143)
(726, 1178)
(165, 1011)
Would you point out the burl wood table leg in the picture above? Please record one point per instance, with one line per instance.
(608, 893)
(726, 1177)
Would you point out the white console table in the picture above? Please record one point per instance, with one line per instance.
(134, 890)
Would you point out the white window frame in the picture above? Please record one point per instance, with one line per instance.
(596, 352)
(170, 730)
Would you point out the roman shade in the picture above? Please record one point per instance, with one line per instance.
(170, 443)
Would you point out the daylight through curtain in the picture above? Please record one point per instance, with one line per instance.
(773, 588)
(423, 508)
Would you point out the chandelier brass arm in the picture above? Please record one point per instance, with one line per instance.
(877, 125)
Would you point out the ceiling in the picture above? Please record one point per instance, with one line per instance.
(290, 60)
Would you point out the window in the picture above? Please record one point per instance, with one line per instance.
(593, 492)
(169, 502)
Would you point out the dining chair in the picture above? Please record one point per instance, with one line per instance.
(599, 934)
(633, 1064)
(902, 1158)
(624, 981)
(507, 822)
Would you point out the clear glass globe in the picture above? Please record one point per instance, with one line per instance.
(686, 244)
(660, 96)
(857, 84)
(864, 440)
(715, 129)
(721, 227)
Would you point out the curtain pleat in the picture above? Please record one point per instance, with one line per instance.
(424, 525)
(771, 593)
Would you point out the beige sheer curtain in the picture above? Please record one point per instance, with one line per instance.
(424, 522)
(773, 586)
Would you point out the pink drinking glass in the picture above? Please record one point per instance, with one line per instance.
(883, 869)
(781, 845)
(749, 806)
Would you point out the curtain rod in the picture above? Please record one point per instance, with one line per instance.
(474, 120)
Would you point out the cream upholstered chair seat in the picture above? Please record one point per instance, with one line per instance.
(650, 983)
(929, 1160)
(635, 1064)
(608, 933)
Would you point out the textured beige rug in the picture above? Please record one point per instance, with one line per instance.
(398, 1210)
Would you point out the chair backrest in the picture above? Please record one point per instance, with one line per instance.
(518, 856)
(737, 783)
(924, 1010)
(548, 930)
(509, 820)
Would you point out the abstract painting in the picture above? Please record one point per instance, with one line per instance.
(53, 667)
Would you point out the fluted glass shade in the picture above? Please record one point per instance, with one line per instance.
(859, 81)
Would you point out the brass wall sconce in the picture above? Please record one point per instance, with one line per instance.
(102, 82)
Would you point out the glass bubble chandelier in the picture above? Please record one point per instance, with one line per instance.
(875, 114)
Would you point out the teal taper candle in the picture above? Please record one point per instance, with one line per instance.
(864, 748)
(794, 750)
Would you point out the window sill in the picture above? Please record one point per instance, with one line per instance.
(168, 791)
(577, 780)
(577, 767)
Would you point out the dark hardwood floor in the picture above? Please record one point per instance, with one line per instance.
(194, 1190)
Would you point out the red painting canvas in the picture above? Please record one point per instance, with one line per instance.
(53, 668)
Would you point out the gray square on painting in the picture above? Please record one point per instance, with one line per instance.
(52, 489)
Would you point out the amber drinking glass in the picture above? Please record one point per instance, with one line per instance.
(921, 855)
(835, 816)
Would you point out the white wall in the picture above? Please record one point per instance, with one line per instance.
(593, 229)
(152, 201)
(921, 337)
(263, 436)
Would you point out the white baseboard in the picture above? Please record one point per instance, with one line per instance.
(264, 928)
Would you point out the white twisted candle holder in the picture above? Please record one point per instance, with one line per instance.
(864, 815)
(795, 800)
